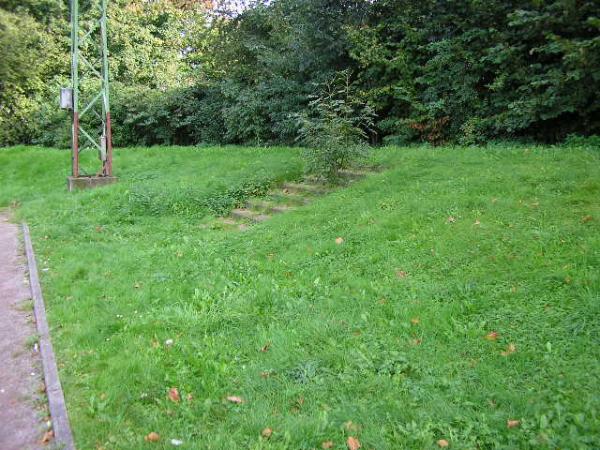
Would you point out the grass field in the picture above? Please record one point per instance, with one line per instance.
(465, 294)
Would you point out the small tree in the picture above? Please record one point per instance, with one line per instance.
(334, 131)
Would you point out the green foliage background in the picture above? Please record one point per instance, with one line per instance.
(436, 70)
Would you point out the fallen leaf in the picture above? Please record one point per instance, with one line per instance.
(416, 341)
(353, 443)
(492, 336)
(401, 274)
(48, 436)
(235, 399)
(513, 423)
(351, 426)
(267, 433)
(327, 445)
(415, 321)
(443, 443)
(152, 437)
(99, 229)
(265, 348)
(265, 374)
(587, 219)
(509, 350)
(339, 241)
(451, 219)
(174, 395)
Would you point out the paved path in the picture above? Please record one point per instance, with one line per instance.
(20, 422)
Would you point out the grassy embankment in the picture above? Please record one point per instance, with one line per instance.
(382, 337)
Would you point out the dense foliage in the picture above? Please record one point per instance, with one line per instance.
(189, 72)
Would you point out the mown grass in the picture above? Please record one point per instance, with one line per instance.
(381, 337)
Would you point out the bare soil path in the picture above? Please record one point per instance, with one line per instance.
(21, 426)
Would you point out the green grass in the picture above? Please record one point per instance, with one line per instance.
(386, 330)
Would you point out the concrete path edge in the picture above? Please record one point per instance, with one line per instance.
(54, 392)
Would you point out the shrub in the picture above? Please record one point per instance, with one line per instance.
(335, 129)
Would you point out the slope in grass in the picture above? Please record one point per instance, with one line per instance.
(382, 337)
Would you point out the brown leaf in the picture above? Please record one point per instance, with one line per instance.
(492, 336)
(235, 399)
(48, 436)
(415, 321)
(265, 348)
(353, 443)
(327, 445)
(416, 341)
(587, 219)
(443, 443)
(267, 433)
(401, 274)
(152, 437)
(509, 350)
(351, 426)
(339, 241)
(513, 423)
(174, 395)
(451, 219)
(265, 374)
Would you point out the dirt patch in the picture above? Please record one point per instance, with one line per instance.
(21, 421)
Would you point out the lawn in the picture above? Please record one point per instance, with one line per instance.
(465, 294)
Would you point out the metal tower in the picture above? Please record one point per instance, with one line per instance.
(89, 94)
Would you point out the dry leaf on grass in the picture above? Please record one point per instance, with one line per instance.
(353, 443)
(339, 241)
(415, 321)
(451, 219)
(513, 423)
(267, 433)
(492, 336)
(401, 274)
(327, 445)
(235, 399)
(265, 348)
(174, 395)
(509, 350)
(152, 437)
(587, 219)
(443, 443)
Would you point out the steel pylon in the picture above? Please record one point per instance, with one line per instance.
(91, 125)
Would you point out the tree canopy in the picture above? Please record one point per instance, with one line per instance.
(188, 72)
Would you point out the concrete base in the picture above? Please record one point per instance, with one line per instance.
(78, 183)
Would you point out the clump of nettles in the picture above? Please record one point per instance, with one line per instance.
(335, 129)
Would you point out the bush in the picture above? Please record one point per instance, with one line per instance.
(335, 132)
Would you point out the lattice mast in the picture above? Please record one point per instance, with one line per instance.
(90, 86)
